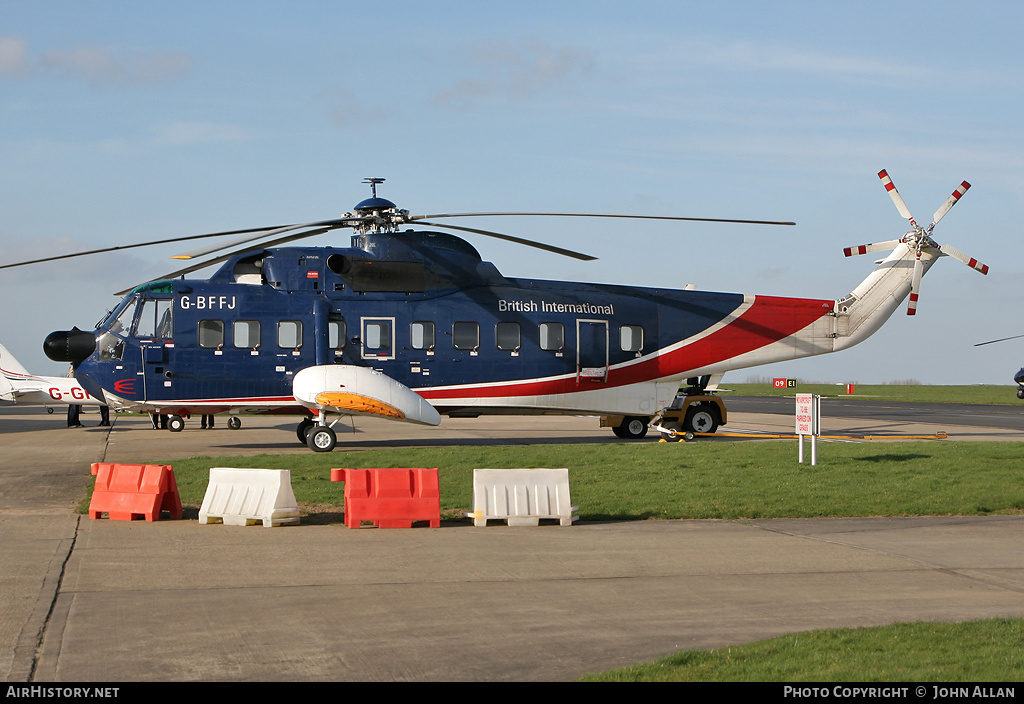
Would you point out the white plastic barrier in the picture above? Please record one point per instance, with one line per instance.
(521, 497)
(243, 497)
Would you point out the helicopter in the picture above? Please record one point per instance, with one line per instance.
(412, 324)
(1018, 378)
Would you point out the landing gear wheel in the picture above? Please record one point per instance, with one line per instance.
(302, 432)
(631, 428)
(175, 424)
(1020, 393)
(321, 439)
(234, 422)
(700, 420)
(675, 434)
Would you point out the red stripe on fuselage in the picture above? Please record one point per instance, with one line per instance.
(768, 320)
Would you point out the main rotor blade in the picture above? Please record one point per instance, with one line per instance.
(140, 244)
(224, 257)
(950, 202)
(1002, 339)
(897, 199)
(202, 252)
(518, 240)
(960, 256)
(599, 215)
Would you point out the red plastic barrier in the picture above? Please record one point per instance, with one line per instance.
(392, 497)
(124, 491)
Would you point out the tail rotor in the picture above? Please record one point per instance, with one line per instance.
(919, 239)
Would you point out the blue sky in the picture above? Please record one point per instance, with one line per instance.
(126, 122)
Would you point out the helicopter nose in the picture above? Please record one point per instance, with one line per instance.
(69, 345)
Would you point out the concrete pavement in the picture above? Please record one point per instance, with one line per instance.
(112, 601)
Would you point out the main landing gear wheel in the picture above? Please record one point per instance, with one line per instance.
(631, 428)
(700, 420)
(234, 422)
(302, 431)
(175, 424)
(321, 439)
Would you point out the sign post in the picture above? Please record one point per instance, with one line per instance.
(808, 422)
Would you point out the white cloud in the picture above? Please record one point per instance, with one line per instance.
(183, 133)
(97, 65)
(13, 56)
(515, 72)
(348, 110)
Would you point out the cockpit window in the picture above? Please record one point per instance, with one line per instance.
(110, 347)
(155, 320)
(123, 322)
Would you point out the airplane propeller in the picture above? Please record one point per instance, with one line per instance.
(373, 215)
(919, 239)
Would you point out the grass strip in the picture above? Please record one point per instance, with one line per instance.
(905, 393)
(698, 480)
(990, 650)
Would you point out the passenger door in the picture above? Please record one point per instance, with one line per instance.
(591, 350)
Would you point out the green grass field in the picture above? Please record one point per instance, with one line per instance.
(913, 393)
(736, 480)
(704, 479)
(978, 651)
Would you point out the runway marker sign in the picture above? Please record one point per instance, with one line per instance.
(808, 422)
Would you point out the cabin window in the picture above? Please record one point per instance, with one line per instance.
(289, 334)
(421, 335)
(631, 338)
(211, 334)
(378, 336)
(466, 335)
(336, 332)
(155, 319)
(246, 333)
(507, 336)
(552, 336)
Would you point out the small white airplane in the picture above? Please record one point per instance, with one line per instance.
(17, 385)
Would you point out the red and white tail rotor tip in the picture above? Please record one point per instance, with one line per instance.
(950, 202)
(897, 199)
(920, 238)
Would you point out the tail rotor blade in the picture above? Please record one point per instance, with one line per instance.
(915, 286)
(950, 202)
(897, 199)
(874, 247)
(960, 256)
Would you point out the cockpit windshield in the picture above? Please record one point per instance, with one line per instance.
(120, 322)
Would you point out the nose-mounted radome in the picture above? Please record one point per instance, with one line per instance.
(73, 345)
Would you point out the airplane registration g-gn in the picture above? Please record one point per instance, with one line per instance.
(411, 325)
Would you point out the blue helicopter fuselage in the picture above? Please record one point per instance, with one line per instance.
(425, 310)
